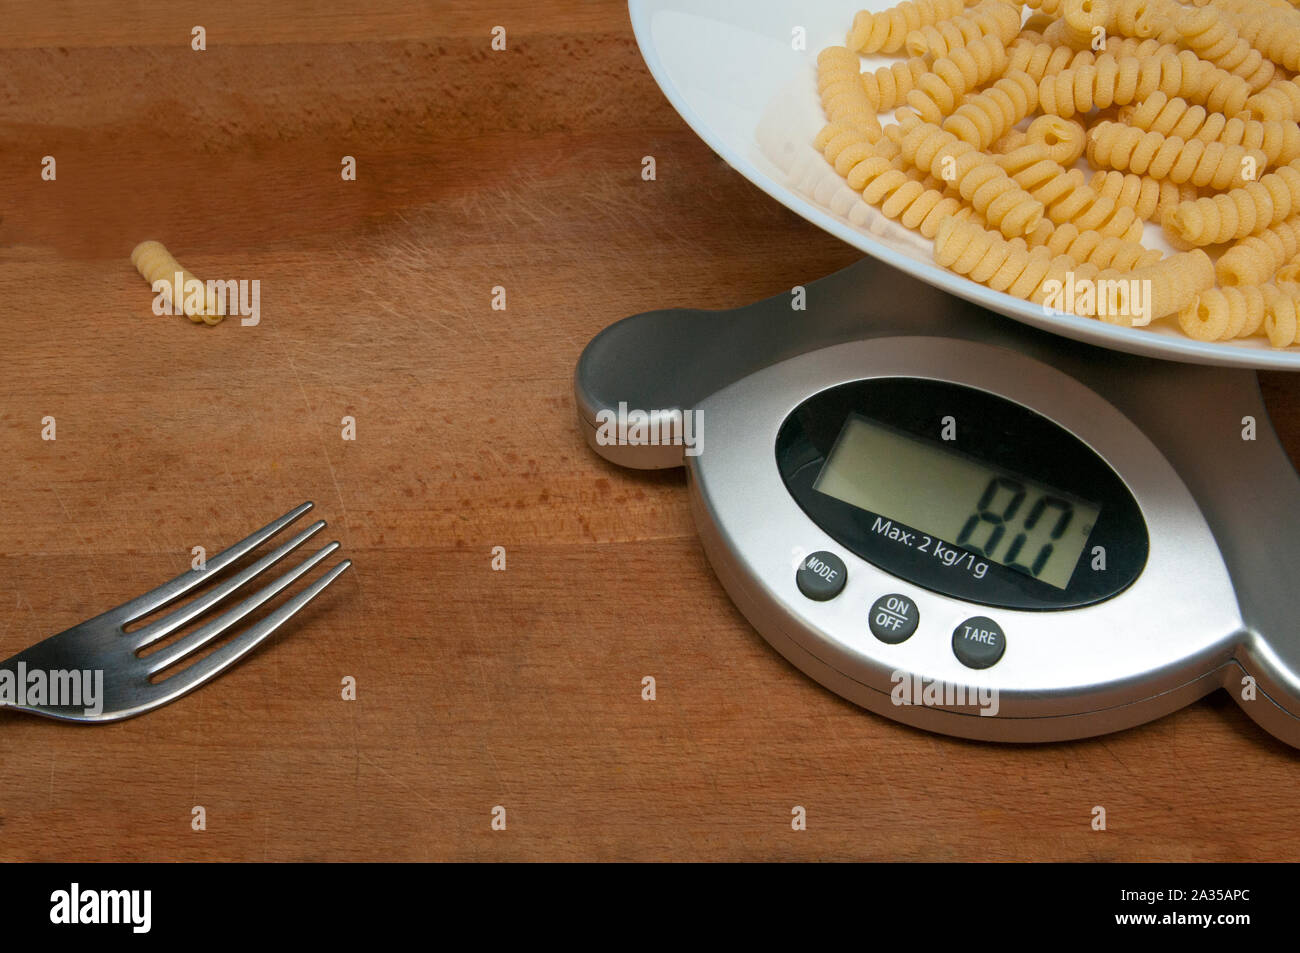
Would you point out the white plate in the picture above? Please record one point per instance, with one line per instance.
(731, 69)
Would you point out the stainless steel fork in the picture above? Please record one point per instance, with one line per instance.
(102, 644)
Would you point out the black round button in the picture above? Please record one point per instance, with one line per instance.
(821, 576)
(894, 618)
(978, 642)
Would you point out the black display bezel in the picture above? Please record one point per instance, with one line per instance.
(996, 431)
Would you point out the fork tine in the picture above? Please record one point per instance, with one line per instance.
(171, 591)
(161, 628)
(227, 655)
(196, 640)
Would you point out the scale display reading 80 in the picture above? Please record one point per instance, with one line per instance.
(1008, 518)
(999, 506)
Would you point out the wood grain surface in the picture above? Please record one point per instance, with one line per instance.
(475, 688)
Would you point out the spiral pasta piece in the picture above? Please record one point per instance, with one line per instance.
(1066, 197)
(886, 31)
(1281, 322)
(991, 18)
(1170, 284)
(1147, 197)
(1225, 313)
(167, 276)
(1002, 264)
(1279, 141)
(1220, 314)
(1064, 139)
(847, 149)
(1289, 275)
(1114, 145)
(1040, 58)
(1136, 18)
(938, 92)
(1277, 37)
(1279, 100)
(1112, 82)
(887, 86)
(1254, 260)
(1209, 34)
(843, 97)
(979, 180)
(1079, 21)
(1232, 216)
(985, 117)
(886, 181)
(906, 200)
(1037, 59)
(1097, 249)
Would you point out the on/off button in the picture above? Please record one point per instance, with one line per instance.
(894, 618)
(821, 576)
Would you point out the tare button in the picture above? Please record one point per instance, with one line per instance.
(821, 576)
(894, 618)
(978, 642)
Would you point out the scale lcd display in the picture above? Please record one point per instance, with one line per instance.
(1002, 516)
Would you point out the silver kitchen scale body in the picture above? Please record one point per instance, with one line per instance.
(963, 523)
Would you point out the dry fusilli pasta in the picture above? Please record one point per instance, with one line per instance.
(1254, 260)
(1231, 216)
(1113, 145)
(938, 92)
(886, 31)
(167, 277)
(1147, 197)
(975, 176)
(987, 116)
(991, 18)
(1278, 140)
(1209, 33)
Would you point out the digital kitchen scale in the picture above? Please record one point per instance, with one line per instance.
(963, 523)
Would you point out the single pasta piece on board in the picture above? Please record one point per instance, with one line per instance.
(166, 276)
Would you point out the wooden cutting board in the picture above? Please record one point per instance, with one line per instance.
(476, 688)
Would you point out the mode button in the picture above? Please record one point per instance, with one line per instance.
(821, 576)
